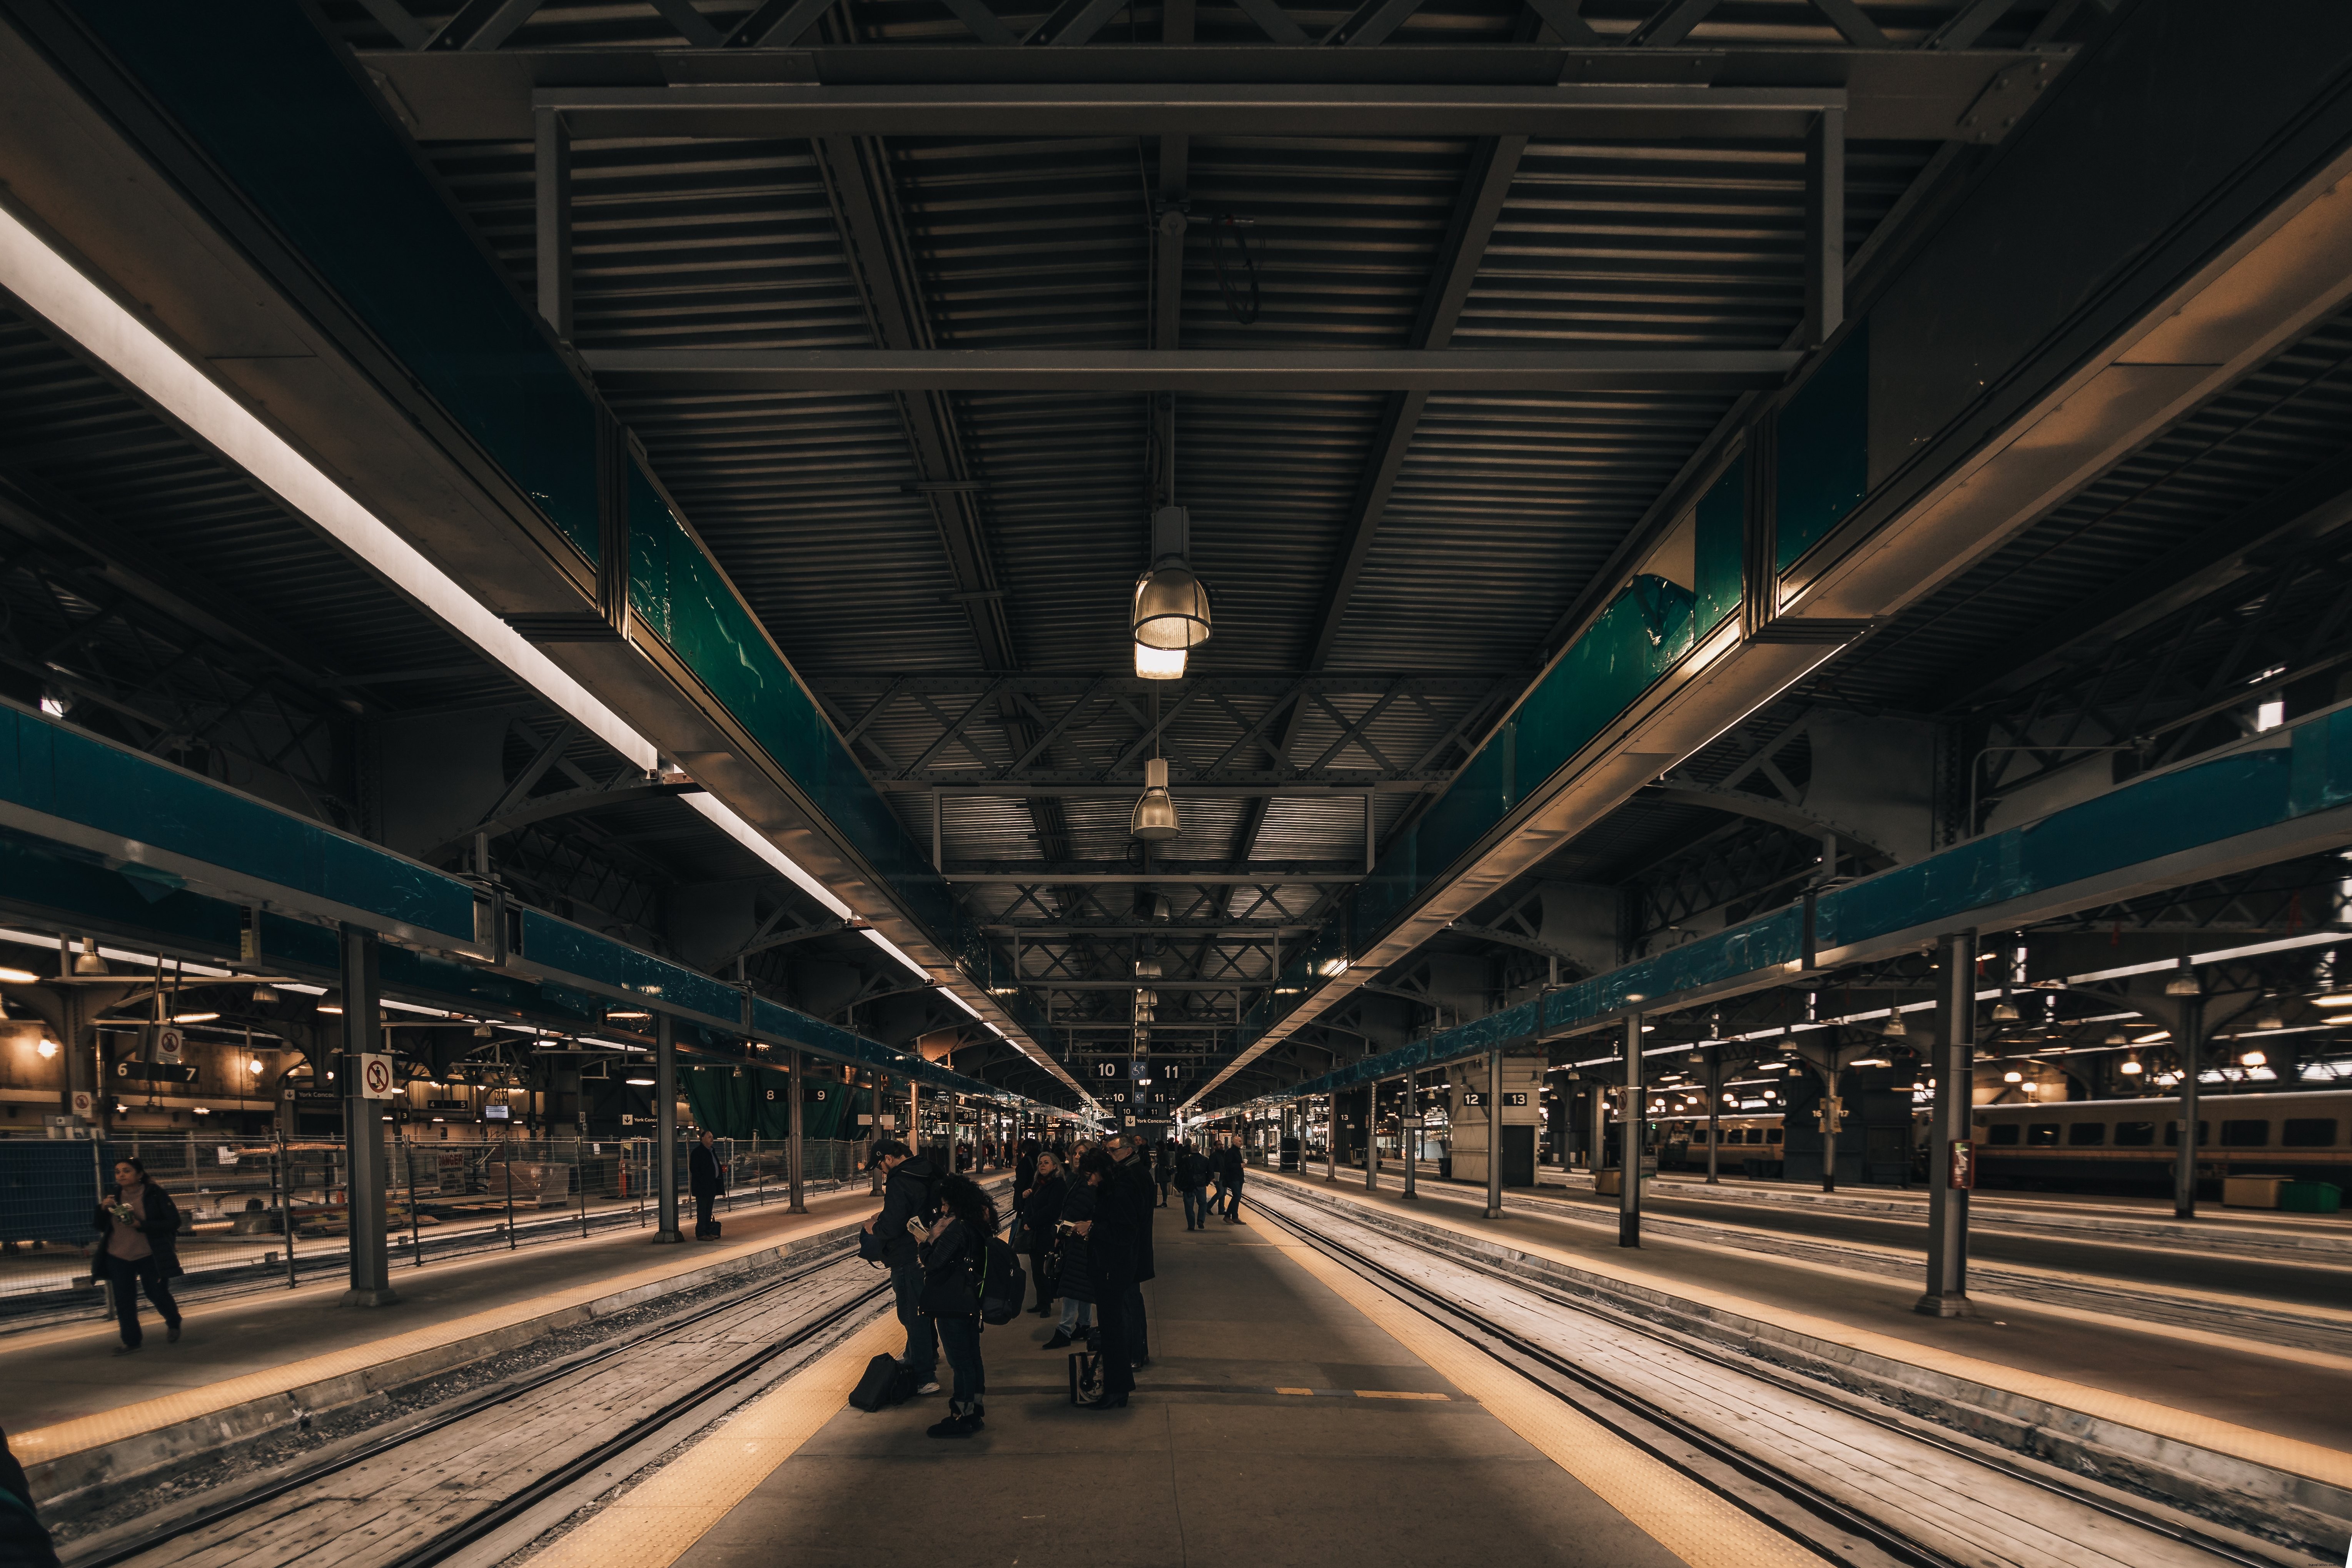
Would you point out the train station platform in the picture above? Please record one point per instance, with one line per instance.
(2280, 1406)
(249, 1364)
(1291, 1414)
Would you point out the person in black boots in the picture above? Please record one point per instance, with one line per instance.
(1040, 1217)
(141, 1227)
(951, 1254)
(911, 1185)
(1134, 1175)
(1192, 1181)
(706, 1178)
(1110, 1260)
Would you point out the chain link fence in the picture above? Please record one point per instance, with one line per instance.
(254, 1212)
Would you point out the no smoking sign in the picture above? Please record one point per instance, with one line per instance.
(376, 1081)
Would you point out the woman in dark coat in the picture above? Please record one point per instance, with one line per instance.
(140, 1225)
(1075, 1281)
(951, 1255)
(1041, 1215)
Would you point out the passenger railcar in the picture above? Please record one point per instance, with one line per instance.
(1748, 1143)
(2116, 1144)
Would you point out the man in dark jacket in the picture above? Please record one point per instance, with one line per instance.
(140, 1226)
(1133, 1178)
(706, 1180)
(1233, 1170)
(1163, 1168)
(1192, 1181)
(911, 1184)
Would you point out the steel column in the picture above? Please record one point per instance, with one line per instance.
(2189, 1043)
(1411, 1129)
(1636, 1124)
(1372, 1136)
(666, 1129)
(1955, 1063)
(363, 1156)
(553, 209)
(1714, 1111)
(1330, 1137)
(1494, 1134)
(794, 1150)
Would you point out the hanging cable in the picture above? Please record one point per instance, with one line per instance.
(1239, 227)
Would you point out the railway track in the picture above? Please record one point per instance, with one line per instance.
(423, 1494)
(1861, 1491)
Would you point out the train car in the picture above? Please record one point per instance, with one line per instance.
(2118, 1145)
(1748, 1144)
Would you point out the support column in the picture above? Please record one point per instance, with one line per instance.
(665, 1128)
(364, 1158)
(2189, 1046)
(1598, 1143)
(1955, 1066)
(551, 204)
(1636, 1125)
(797, 1147)
(1494, 1134)
(914, 1137)
(1331, 1137)
(1411, 1142)
(1714, 1111)
(1372, 1137)
(1829, 1115)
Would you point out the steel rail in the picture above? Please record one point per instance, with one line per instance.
(1440, 1309)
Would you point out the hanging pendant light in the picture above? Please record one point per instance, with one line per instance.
(2183, 983)
(1172, 605)
(1896, 1028)
(1155, 812)
(2004, 1011)
(1159, 663)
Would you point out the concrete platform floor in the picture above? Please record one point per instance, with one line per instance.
(62, 1373)
(1202, 1468)
(2221, 1379)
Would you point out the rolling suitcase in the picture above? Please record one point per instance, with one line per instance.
(881, 1384)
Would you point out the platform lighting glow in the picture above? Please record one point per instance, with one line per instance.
(47, 1049)
(2157, 1038)
(193, 1018)
(956, 1000)
(2130, 1065)
(638, 1082)
(2012, 1076)
(9, 976)
(2335, 999)
(2253, 1059)
(1159, 663)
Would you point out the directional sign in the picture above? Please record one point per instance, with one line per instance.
(377, 1080)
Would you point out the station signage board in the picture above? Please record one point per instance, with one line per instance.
(377, 1080)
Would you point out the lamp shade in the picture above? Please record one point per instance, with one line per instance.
(1172, 607)
(1155, 813)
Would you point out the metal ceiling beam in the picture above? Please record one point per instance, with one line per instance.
(1097, 873)
(1190, 370)
(1647, 111)
(1047, 683)
(1072, 785)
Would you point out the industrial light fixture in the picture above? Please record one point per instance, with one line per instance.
(2253, 1059)
(2335, 999)
(193, 1018)
(265, 995)
(1329, 967)
(331, 1004)
(2012, 1076)
(9, 976)
(2130, 1067)
(2183, 982)
(1896, 1028)
(88, 963)
(1147, 968)
(2269, 1018)
(48, 1049)
(638, 1082)
(2117, 1037)
(1171, 606)
(1154, 818)
(2004, 1011)
(254, 1065)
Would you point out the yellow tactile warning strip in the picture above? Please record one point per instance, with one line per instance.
(1365, 1394)
(652, 1524)
(2186, 1426)
(1684, 1517)
(41, 1444)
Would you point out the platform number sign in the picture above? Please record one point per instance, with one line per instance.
(1106, 1069)
(377, 1080)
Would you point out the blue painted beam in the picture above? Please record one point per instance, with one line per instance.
(2285, 794)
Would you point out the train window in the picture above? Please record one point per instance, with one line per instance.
(2310, 1133)
(2248, 1134)
(1752, 1135)
(2041, 1135)
(1771, 1135)
(2085, 1135)
(2172, 1134)
(2002, 1133)
(2134, 1135)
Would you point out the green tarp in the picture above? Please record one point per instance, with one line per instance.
(741, 1101)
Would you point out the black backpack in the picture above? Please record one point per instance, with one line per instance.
(1002, 1286)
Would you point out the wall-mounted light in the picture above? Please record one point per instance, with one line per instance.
(254, 1065)
(48, 1049)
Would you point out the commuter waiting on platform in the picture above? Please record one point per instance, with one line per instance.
(1163, 1168)
(706, 1178)
(140, 1225)
(909, 1204)
(1040, 1217)
(1234, 1171)
(1193, 1175)
(1074, 1274)
(952, 1252)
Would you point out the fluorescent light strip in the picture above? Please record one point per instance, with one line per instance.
(725, 817)
(959, 1000)
(886, 945)
(145, 960)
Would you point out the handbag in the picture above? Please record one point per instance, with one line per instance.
(870, 1247)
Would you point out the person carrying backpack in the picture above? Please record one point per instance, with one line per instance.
(952, 1252)
(910, 1192)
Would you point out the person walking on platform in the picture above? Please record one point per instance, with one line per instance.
(1163, 1168)
(140, 1225)
(911, 1184)
(706, 1178)
(1134, 1175)
(1192, 1181)
(1074, 1279)
(1234, 1171)
(1217, 1173)
(1041, 1218)
(1110, 1260)
(952, 1253)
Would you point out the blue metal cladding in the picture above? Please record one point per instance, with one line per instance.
(72, 776)
(2308, 771)
(1822, 466)
(41, 878)
(1721, 525)
(558, 944)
